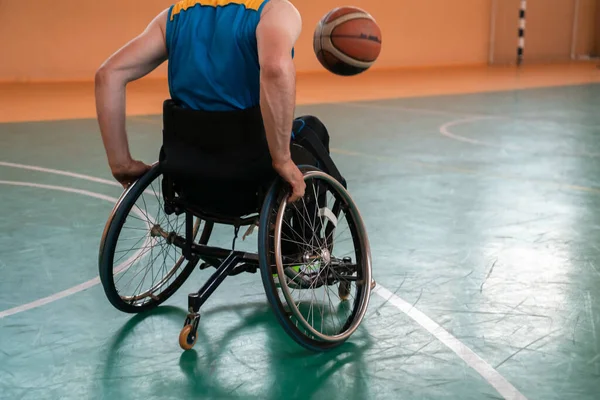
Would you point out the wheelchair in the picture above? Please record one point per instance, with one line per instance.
(214, 168)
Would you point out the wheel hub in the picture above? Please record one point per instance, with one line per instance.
(158, 231)
(322, 255)
(155, 231)
(325, 256)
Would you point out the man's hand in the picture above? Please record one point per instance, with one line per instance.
(292, 175)
(129, 172)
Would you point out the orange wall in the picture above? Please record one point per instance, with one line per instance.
(585, 39)
(415, 32)
(506, 29)
(69, 39)
(596, 51)
(48, 40)
(66, 39)
(548, 32)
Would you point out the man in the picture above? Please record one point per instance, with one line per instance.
(223, 55)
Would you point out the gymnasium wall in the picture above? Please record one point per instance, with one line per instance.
(50, 40)
(416, 33)
(555, 31)
(587, 35)
(596, 44)
(504, 31)
(549, 30)
(69, 39)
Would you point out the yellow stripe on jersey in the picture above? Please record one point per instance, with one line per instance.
(183, 5)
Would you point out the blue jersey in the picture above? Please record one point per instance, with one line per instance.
(213, 56)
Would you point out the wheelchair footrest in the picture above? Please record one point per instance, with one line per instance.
(238, 269)
(241, 268)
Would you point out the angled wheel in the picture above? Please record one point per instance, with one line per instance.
(315, 261)
(139, 267)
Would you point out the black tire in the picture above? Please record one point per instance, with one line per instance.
(266, 243)
(110, 238)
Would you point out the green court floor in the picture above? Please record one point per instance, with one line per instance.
(483, 213)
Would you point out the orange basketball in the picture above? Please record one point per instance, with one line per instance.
(347, 41)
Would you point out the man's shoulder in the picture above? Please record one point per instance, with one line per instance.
(279, 6)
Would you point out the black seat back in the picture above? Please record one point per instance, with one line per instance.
(217, 161)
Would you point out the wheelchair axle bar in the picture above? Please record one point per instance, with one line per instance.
(216, 252)
(204, 251)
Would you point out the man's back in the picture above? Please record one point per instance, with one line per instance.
(213, 57)
(227, 55)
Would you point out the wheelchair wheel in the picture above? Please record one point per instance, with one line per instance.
(315, 261)
(139, 267)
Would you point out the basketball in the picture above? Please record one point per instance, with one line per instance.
(347, 41)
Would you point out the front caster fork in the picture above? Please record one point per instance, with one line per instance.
(189, 333)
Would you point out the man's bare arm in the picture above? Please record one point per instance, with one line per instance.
(276, 34)
(133, 61)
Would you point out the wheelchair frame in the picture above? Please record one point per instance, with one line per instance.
(230, 262)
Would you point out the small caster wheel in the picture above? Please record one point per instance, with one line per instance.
(344, 291)
(187, 337)
(373, 284)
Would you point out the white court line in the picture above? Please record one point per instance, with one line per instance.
(524, 117)
(65, 173)
(50, 299)
(411, 109)
(75, 289)
(445, 130)
(504, 387)
(59, 172)
(492, 376)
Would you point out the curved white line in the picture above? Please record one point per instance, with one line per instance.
(408, 109)
(61, 189)
(504, 387)
(75, 289)
(64, 173)
(60, 172)
(445, 130)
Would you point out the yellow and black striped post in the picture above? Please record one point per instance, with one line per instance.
(521, 45)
